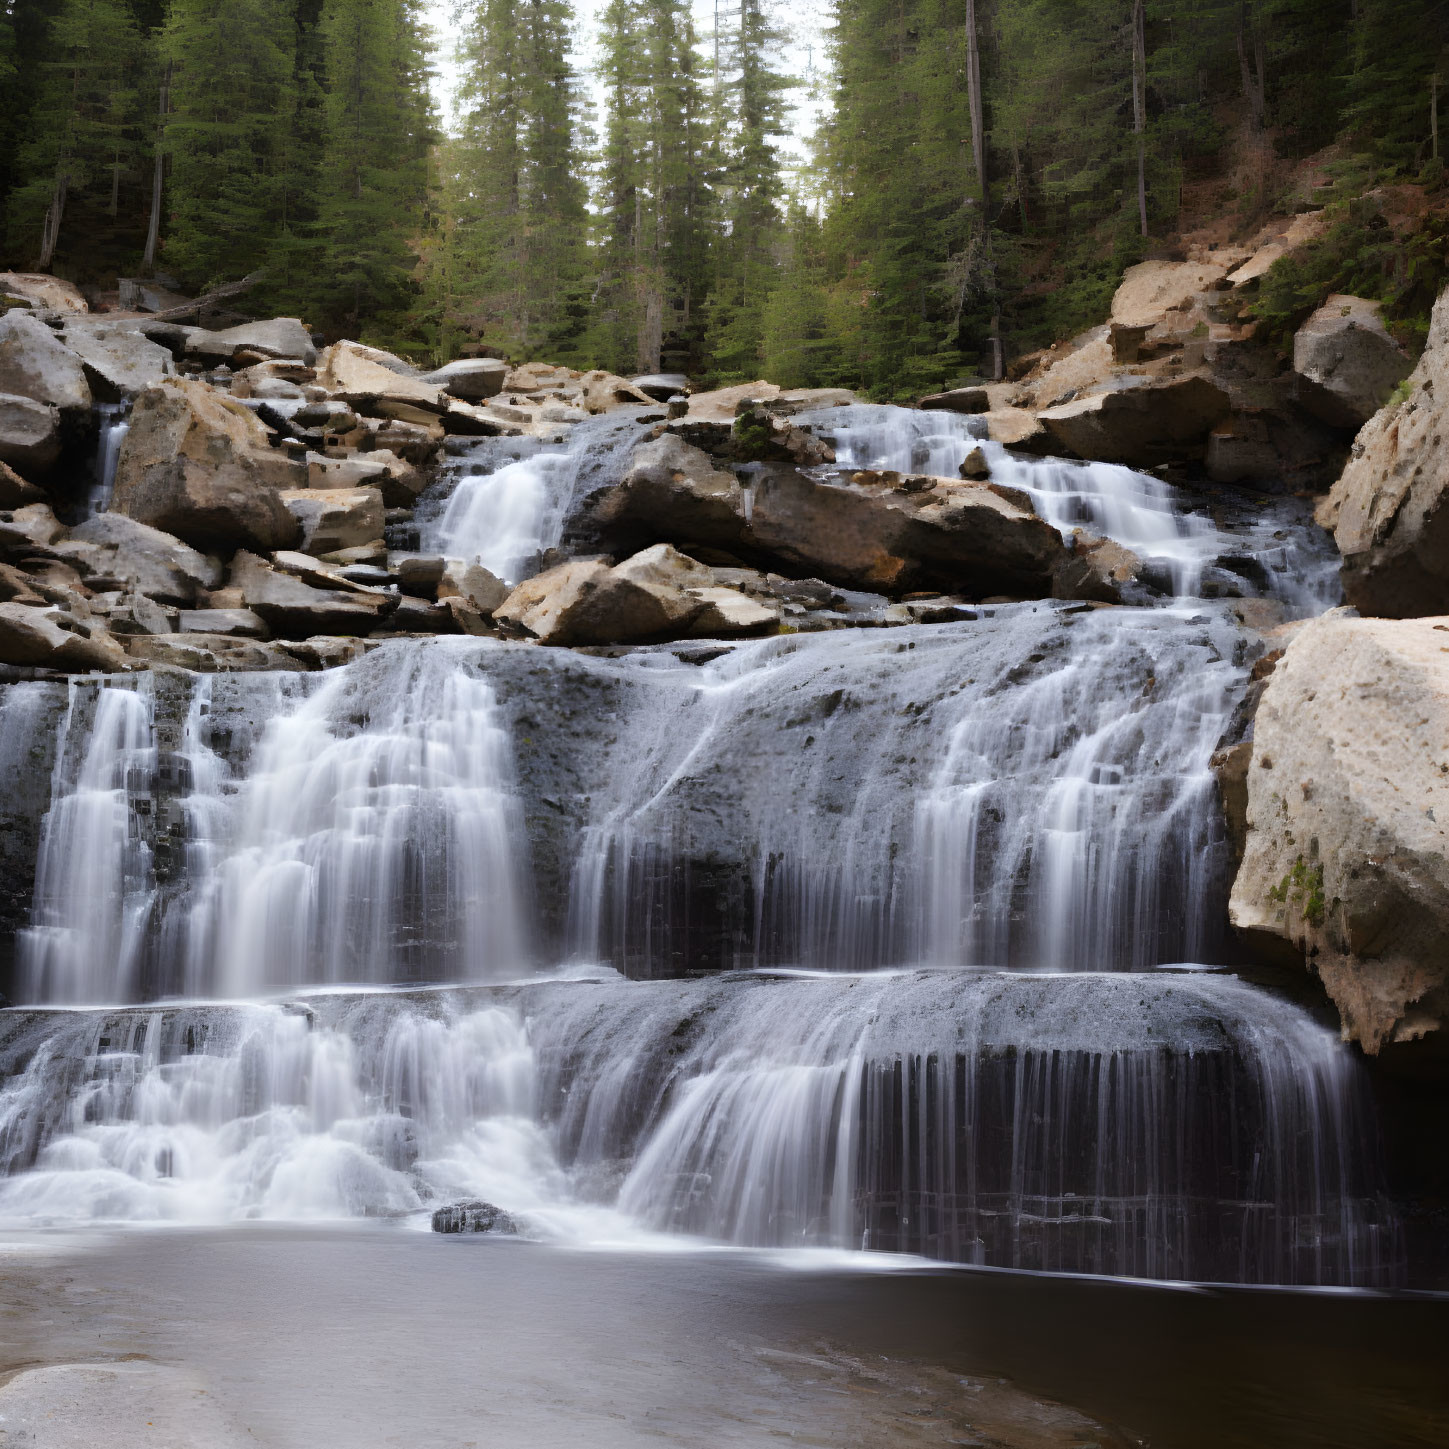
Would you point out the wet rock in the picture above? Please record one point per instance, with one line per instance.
(211, 653)
(1346, 363)
(956, 536)
(1022, 431)
(418, 574)
(118, 360)
(1389, 513)
(35, 364)
(50, 638)
(1141, 426)
(422, 616)
(1096, 569)
(958, 400)
(198, 465)
(975, 467)
(131, 614)
(42, 292)
(472, 379)
(604, 391)
(296, 609)
(277, 337)
(114, 551)
(473, 1217)
(336, 518)
(724, 404)
(1347, 856)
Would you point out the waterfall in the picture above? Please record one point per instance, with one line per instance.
(506, 501)
(113, 422)
(1165, 1125)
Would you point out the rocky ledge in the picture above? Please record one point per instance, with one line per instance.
(258, 479)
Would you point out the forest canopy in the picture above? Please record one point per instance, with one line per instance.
(983, 173)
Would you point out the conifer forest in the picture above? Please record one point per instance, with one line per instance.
(614, 190)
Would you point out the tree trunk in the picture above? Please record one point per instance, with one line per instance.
(973, 92)
(50, 230)
(1434, 112)
(1255, 90)
(1139, 103)
(158, 174)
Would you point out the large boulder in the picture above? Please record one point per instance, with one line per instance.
(277, 338)
(656, 595)
(30, 527)
(879, 532)
(119, 361)
(336, 518)
(471, 379)
(112, 551)
(15, 491)
(958, 400)
(199, 465)
(1347, 855)
(42, 292)
(1346, 363)
(29, 435)
(34, 363)
(1143, 423)
(603, 391)
(724, 403)
(297, 610)
(1388, 511)
(368, 379)
(50, 638)
(1152, 289)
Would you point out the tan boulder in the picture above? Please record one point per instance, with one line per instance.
(42, 292)
(1347, 856)
(52, 639)
(471, 379)
(604, 391)
(335, 518)
(1346, 363)
(367, 378)
(32, 525)
(1151, 289)
(115, 552)
(1389, 512)
(275, 339)
(480, 590)
(297, 610)
(118, 360)
(199, 465)
(1142, 425)
(1097, 569)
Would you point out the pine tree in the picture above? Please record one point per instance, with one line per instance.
(1397, 52)
(655, 197)
(515, 200)
(82, 128)
(746, 261)
(378, 128)
(233, 102)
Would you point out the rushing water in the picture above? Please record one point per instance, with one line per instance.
(1021, 801)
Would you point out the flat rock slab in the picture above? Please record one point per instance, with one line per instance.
(118, 1406)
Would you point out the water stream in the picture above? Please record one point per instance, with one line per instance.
(903, 909)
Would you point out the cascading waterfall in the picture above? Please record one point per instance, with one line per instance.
(1021, 801)
(1172, 1125)
(113, 422)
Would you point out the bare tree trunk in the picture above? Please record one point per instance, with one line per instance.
(1255, 90)
(1139, 103)
(973, 92)
(1434, 112)
(50, 230)
(158, 175)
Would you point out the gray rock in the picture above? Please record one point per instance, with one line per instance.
(119, 361)
(661, 386)
(113, 551)
(472, 379)
(278, 337)
(211, 653)
(30, 526)
(958, 400)
(233, 623)
(52, 639)
(295, 609)
(137, 614)
(473, 1217)
(418, 574)
(1141, 426)
(29, 435)
(35, 364)
(15, 492)
(481, 590)
(1346, 362)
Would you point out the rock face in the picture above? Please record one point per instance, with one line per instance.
(1388, 511)
(1347, 854)
(29, 435)
(199, 465)
(113, 551)
(1141, 426)
(336, 518)
(1346, 363)
(881, 532)
(35, 364)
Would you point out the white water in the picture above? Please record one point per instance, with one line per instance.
(113, 423)
(1057, 1122)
